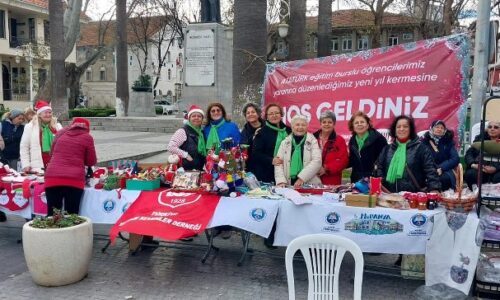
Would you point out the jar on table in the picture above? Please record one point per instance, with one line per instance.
(413, 200)
(422, 201)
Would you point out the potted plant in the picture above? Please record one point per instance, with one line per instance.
(58, 249)
(142, 84)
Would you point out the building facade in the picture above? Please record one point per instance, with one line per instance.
(98, 84)
(24, 50)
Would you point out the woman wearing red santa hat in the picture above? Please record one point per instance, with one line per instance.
(73, 149)
(188, 142)
(37, 138)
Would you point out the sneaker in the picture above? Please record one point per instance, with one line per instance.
(187, 239)
(3, 217)
(225, 234)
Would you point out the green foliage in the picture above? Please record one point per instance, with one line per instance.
(143, 83)
(159, 110)
(59, 220)
(92, 112)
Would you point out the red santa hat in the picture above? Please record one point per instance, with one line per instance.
(81, 122)
(195, 109)
(42, 106)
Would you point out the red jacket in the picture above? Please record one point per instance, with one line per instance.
(72, 150)
(335, 158)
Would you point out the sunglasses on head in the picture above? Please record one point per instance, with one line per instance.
(493, 126)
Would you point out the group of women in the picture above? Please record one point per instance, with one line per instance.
(291, 156)
(34, 142)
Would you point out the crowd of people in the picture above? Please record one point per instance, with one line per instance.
(294, 156)
(33, 142)
(277, 154)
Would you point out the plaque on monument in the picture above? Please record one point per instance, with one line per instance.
(200, 58)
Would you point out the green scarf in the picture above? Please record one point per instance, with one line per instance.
(282, 134)
(296, 164)
(361, 140)
(47, 138)
(397, 165)
(201, 139)
(213, 137)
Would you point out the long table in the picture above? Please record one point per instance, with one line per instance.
(381, 230)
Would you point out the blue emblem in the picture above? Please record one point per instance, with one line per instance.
(418, 220)
(125, 207)
(258, 214)
(332, 218)
(109, 205)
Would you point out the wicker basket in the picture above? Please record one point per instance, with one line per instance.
(457, 203)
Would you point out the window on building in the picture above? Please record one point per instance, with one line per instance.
(42, 77)
(363, 42)
(88, 74)
(335, 44)
(31, 28)
(102, 74)
(407, 36)
(281, 47)
(2, 24)
(347, 43)
(393, 40)
(169, 74)
(315, 44)
(19, 80)
(131, 58)
(308, 44)
(169, 58)
(46, 31)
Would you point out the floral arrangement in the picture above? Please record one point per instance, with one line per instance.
(59, 220)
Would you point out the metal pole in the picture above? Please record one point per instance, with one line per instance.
(479, 79)
(30, 56)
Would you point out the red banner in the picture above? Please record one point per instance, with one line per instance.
(425, 79)
(168, 215)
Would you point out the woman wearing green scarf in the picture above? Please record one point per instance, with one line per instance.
(188, 142)
(301, 156)
(219, 128)
(37, 139)
(267, 142)
(407, 164)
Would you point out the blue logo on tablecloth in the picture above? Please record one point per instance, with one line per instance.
(332, 218)
(125, 206)
(258, 214)
(418, 220)
(109, 205)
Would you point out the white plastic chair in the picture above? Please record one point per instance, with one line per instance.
(323, 255)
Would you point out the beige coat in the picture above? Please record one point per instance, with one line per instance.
(30, 149)
(311, 157)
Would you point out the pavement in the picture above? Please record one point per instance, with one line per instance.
(176, 271)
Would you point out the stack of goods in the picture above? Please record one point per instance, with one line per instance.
(144, 180)
(421, 200)
(393, 201)
(488, 267)
(364, 193)
(490, 190)
(491, 220)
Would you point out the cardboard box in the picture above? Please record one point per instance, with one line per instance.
(143, 185)
(360, 200)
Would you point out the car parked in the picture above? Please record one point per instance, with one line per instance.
(167, 107)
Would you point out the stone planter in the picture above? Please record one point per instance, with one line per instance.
(58, 257)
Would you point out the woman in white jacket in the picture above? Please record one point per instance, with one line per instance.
(301, 156)
(37, 139)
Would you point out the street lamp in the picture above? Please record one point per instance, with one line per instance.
(284, 17)
(27, 52)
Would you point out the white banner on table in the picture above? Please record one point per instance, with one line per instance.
(25, 212)
(379, 230)
(106, 207)
(253, 215)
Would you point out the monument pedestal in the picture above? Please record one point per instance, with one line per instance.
(141, 104)
(209, 61)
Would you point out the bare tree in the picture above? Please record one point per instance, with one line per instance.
(57, 53)
(324, 27)
(377, 7)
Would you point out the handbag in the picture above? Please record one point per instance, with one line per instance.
(414, 180)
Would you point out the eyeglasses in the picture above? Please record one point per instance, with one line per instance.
(274, 114)
(493, 126)
(215, 110)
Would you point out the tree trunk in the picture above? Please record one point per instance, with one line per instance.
(447, 17)
(249, 52)
(297, 32)
(377, 31)
(324, 28)
(57, 52)
(122, 92)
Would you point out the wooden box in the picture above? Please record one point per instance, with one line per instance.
(360, 200)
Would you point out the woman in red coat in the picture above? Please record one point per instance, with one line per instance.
(72, 150)
(334, 150)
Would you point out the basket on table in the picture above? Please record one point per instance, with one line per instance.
(458, 202)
